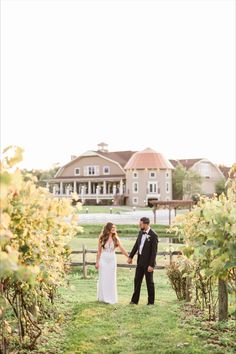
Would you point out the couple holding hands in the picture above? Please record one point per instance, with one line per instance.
(146, 247)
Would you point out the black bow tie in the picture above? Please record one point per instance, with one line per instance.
(144, 233)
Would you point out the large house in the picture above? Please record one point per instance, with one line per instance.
(210, 173)
(128, 177)
(120, 177)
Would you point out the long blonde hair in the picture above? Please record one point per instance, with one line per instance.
(104, 236)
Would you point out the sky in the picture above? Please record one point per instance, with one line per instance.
(132, 74)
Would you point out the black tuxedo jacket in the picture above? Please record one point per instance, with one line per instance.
(149, 250)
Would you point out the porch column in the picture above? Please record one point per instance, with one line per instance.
(104, 187)
(97, 194)
(114, 189)
(89, 187)
(61, 188)
(121, 187)
(74, 189)
(82, 194)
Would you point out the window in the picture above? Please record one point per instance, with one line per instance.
(135, 174)
(135, 200)
(205, 170)
(91, 170)
(152, 174)
(77, 171)
(167, 187)
(106, 170)
(152, 187)
(135, 187)
(167, 174)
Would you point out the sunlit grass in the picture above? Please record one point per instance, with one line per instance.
(93, 327)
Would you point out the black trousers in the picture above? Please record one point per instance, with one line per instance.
(141, 270)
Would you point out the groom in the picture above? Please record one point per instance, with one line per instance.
(146, 246)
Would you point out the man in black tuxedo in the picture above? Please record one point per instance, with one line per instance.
(146, 246)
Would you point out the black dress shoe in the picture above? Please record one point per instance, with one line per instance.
(150, 304)
(132, 303)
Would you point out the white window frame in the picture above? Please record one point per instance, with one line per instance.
(150, 174)
(135, 172)
(167, 174)
(96, 170)
(135, 200)
(135, 183)
(156, 187)
(77, 174)
(106, 173)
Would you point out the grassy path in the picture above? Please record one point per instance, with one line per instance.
(93, 327)
(86, 326)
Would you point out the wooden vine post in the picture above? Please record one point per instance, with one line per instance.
(223, 300)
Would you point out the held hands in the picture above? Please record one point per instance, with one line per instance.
(129, 260)
(150, 269)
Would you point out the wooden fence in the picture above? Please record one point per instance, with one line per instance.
(85, 263)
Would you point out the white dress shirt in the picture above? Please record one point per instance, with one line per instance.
(144, 236)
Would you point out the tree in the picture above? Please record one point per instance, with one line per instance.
(220, 187)
(185, 183)
(177, 181)
(191, 184)
(42, 175)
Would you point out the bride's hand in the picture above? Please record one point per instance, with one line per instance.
(129, 260)
(97, 265)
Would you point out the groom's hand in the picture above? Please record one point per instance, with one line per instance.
(129, 260)
(150, 269)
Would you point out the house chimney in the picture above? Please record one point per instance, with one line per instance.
(103, 147)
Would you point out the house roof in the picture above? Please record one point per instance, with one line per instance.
(122, 157)
(148, 158)
(225, 170)
(188, 163)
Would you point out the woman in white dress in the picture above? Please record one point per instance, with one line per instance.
(106, 264)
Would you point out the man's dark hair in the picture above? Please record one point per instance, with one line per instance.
(145, 220)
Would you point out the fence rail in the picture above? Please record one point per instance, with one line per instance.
(85, 263)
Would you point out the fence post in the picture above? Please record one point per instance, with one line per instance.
(170, 250)
(84, 262)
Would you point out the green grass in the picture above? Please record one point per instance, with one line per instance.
(87, 326)
(125, 230)
(91, 209)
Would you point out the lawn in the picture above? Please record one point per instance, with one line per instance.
(123, 230)
(87, 326)
(107, 209)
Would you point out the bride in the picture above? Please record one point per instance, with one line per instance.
(106, 264)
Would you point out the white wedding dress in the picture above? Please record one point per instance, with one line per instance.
(106, 285)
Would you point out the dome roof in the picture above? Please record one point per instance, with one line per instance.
(148, 158)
